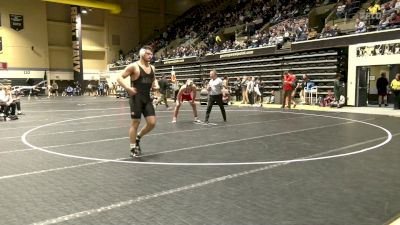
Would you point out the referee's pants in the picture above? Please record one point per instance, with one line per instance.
(210, 103)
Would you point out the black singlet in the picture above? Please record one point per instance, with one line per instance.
(141, 103)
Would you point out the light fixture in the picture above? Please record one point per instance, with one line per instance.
(84, 11)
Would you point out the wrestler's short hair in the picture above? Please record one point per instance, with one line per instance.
(189, 82)
(142, 51)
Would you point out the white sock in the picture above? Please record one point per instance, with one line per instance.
(133, 145)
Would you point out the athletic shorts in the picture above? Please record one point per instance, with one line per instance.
(186, 98)
(141, 105)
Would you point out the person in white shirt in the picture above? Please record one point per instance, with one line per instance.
(6, 102)
(360, 26)
(215, 95)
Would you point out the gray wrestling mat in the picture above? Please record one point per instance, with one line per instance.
(66, 161)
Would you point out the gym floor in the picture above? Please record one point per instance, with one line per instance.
(66, 161)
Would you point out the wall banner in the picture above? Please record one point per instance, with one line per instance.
(378, 49)
(77, 57)
(16, 22)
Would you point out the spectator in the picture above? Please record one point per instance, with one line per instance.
(381, 85)
(238, 89)
(395, 87)
(101, 89)
(337, 87)
(289, 80)
(339, 103)
(174, 85)
(304, 82)
(69, 90)
(164, 86)
(55, 88)
(312, 34)
(250, 90)
(373, 10)
(351, 7)
(259, 91)
(245, 97)
(7, 104)
(383, 22)
(340, 10)
(389, 7)
(329, 98)
(326, 32)
(336, 31)
(360, 26)
(394, 20)
(17, 100)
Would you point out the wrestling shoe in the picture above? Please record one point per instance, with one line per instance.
(136, 152)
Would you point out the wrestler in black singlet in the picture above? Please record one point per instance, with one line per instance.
(141, 101)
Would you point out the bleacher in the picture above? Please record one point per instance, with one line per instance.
(320, 66)
(320, 59)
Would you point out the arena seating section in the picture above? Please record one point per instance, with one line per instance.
(200, 26)
(320, 66)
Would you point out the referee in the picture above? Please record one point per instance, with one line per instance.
(215, 95)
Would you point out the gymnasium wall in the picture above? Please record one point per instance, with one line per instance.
(368, 60)
(26, 48)
(47, 27)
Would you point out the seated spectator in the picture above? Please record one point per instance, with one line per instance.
(271, 99)
(326, 32)
(312, 34)
(17, 100)
(306, 10)
(394, 21)
(69, 90)
(340, 10)
(225, 95)
(279, 38)
(360, 26)
(301, 33)
(329, 98)
(383, 22)
(340, 103)
(389, 7)
(272, 39)
(351, 7)
(7, 105)
(336, 31)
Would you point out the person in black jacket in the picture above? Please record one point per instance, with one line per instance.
(382, 84)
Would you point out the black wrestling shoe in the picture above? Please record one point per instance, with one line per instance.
(138, 149)
(136, 152)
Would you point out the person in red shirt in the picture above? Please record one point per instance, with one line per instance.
(289, 80)
(395, 19)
